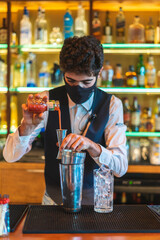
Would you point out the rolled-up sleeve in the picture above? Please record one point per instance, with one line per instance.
(16, 146)
(114, 156)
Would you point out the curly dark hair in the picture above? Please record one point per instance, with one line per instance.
(82, 55)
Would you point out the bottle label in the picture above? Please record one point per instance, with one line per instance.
(157, 123)
(120, 29)
(96, 31)
(151, 77)
(150, 35)
(141, 80)
(127, 117)
(14, 38)
(3, 36)
(25, 36)
(108, 31)
(107, 39)
(132, 81)
(39, 34)
(149, 126)
(135, 118)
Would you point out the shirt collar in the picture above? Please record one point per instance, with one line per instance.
(87, 105)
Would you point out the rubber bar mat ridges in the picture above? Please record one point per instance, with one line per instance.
(123, 219)
(16, 214)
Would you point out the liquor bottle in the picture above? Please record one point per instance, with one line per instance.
(56, 36)
(31, 70)
(131, 77)
(150, 32)
(41, 32)
(144, 117)
(37, 28)
(13, 36)
(141, 71)
(157, 117)
(3, 32)
(80, 23)
(39, 105)
(3, 73)
(44, 80)
(120, 26)
(56, 74)
(118, 79)
(84, 22)
(157, 32)
(149, 125)
(25, 29)
(127, 113)
(145, 150)
(135, 116)
(3, 122)
(96, 26)
(136, 31)
(19, 72)
(107, 32)
(68, 25)
(150, 72)
(123, 198)
(107, 75)
(158, 78)
(14, 113)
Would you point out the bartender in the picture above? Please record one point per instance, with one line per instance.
(81, 102)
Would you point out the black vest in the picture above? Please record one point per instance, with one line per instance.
(95, 132)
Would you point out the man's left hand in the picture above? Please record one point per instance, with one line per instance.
(78, 143)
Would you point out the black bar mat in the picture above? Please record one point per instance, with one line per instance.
(123, 219)
(155, 209)
(16, 214)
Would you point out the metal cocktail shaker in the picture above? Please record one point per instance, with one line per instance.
(71, 175)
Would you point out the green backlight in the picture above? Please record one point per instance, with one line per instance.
(143, 134)
(39, 46)
(3, 132)
(3, 46)
(130, 45)
(105, 46)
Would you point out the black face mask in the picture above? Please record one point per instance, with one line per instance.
(79, 94)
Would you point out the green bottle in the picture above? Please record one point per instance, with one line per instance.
(141, 72)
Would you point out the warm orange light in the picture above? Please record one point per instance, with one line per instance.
(58, 5)
(129, 5)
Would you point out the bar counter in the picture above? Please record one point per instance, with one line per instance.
(18, 235)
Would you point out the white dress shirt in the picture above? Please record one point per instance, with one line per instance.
(114, 156)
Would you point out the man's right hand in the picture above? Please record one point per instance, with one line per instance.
(30, 120)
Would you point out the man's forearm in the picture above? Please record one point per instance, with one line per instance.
(26, 129)
(94, 150)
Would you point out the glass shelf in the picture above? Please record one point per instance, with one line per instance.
(117, 90)
(3, 89)
(121, 90)
(3, 132)
(143, 134)
(41, 48)
(30, 89)
(132, 48)
(108, 48)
